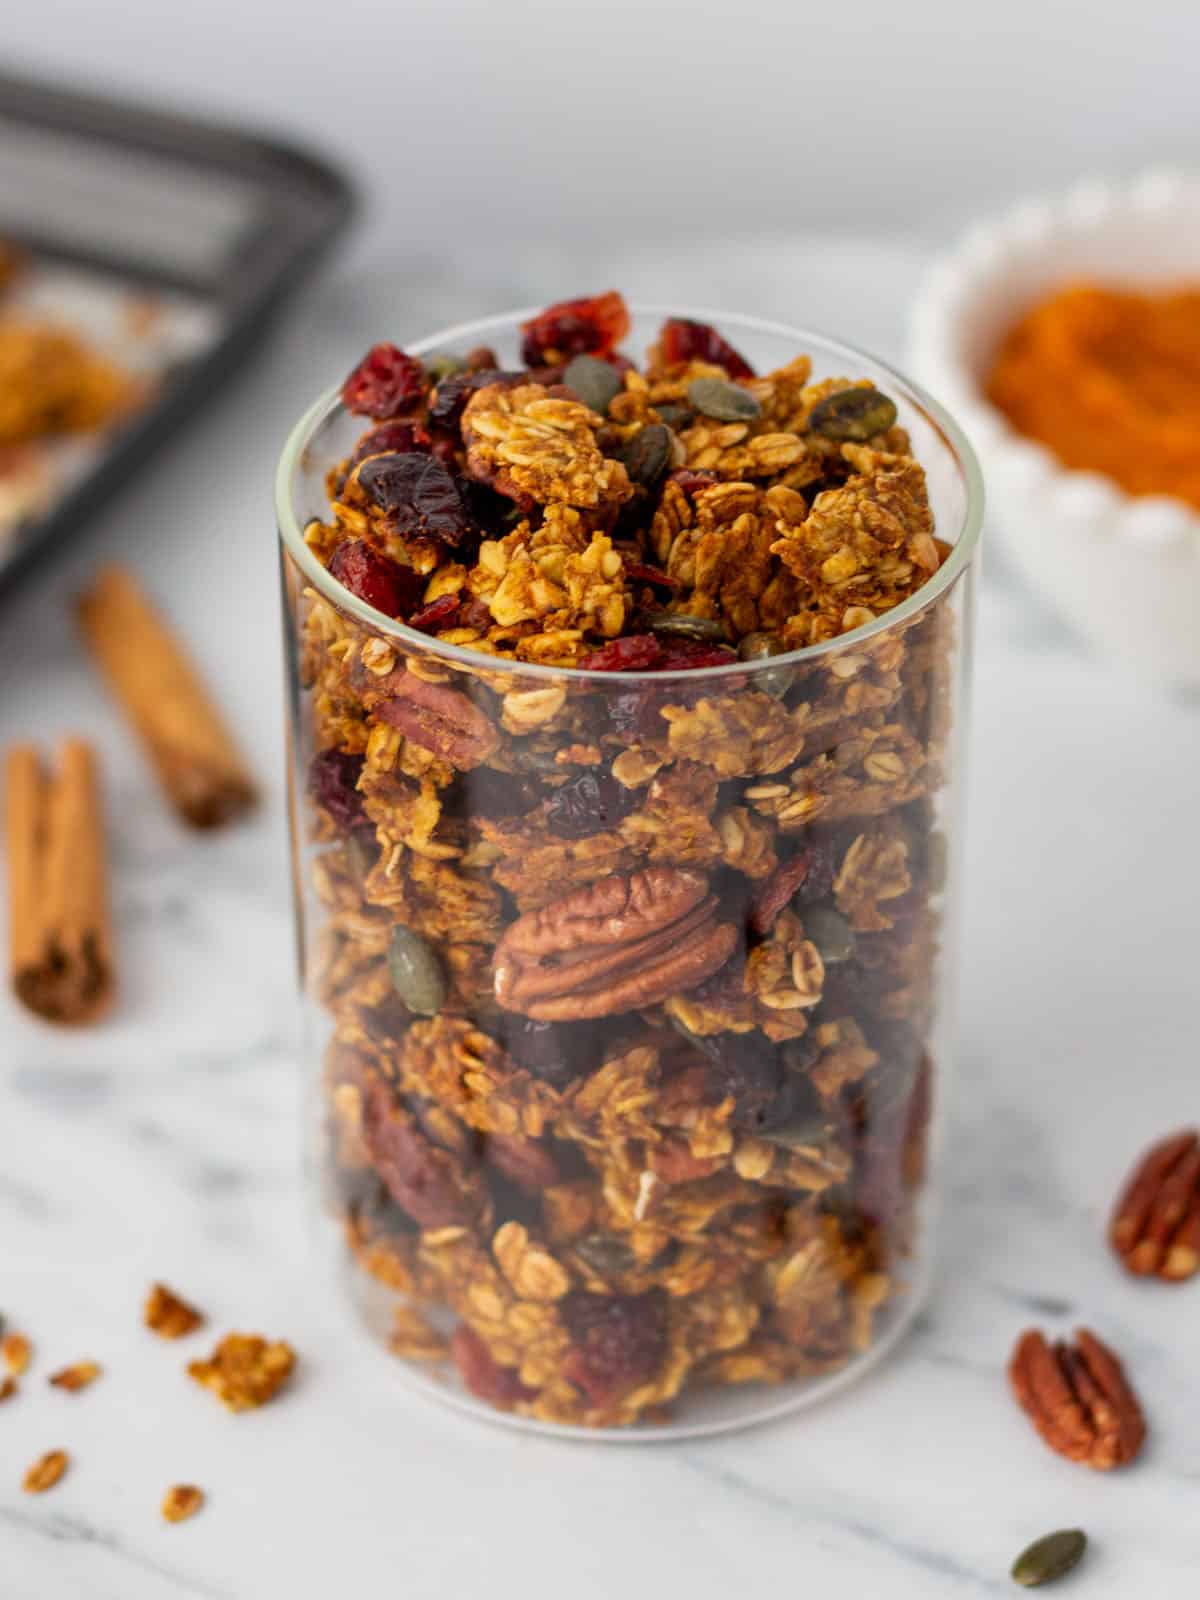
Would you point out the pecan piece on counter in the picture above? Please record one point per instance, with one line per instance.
(1155, 1229)
(439, 719)
(620, 943)
(1078, 1398)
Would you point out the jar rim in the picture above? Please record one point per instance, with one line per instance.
(963, 548)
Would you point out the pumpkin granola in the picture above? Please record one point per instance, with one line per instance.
(631, 970)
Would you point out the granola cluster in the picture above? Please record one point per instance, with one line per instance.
(632, 970)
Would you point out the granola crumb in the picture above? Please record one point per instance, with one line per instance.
(16, 1353)
(45, 1472)
(77, 1376)
(181, 1501)
(169, 1315)
(8, 1388)
(245, 1370)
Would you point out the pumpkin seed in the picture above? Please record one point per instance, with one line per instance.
(596, 382)
(723, 401)
(1049, 1558)
(830, 932)
(679, 625)
(758, 647)
(647, 455)
(803, 1134)
(607, 1256)
(417, 974)
(857, 414)
(361, 854)
(675, 416)
(442, 366)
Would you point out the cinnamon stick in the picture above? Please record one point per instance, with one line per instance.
(60, 932)
(157, 686)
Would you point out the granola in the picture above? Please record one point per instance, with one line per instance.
(632, 971)
(245, 1370)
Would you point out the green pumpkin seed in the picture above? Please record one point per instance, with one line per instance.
(416, 972)
(676, 416)
(679, 625)
(648, 454)
(760, 647)
(361, 855)
(757, 646)
(1049, 1558)
(830, 932)
(806, 1133)
(607, 1256)
(723, 401)
(857, 414)
(596, 382)
(442, 366)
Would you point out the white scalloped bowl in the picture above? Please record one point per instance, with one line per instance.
(1123, 569)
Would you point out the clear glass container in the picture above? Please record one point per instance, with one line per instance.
(661, 1158)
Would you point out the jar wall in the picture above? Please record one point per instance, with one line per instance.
(626, 998)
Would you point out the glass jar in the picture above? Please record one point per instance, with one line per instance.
(626, 1065)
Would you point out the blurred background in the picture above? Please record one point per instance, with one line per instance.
(475, 124)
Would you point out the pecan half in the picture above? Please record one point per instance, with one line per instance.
(1078, 1398)
(425, 1181)
(438, 719)
(623, 942)
(1155, 1228)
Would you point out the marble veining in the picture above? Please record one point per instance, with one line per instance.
(165, 1143)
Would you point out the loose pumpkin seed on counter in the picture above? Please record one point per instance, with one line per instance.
(1049, 1558)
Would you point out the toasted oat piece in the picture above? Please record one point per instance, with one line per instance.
(77, 1376)
(245, 1370)
(181, 1501)
(45, 1472)
(169, 1315)
(16, 1353)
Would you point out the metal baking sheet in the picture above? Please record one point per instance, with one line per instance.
(167, 244)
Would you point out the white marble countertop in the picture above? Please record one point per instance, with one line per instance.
(164, 1143)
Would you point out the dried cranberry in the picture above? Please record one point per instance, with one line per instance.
(384, 383)
(394, 438)
(639, 572)
(493, 512)
(451, 395)
(772, 896)
(693, 482)
(589, 326)
(332, 782)
(375, 578)
(692, 654)
(482, 1373)
(637, 652)
(590, 803)
(748, 1069)
(437, 614)
(488, 792)
(420, 498)
(681, 340)
(556, 1052)
(817, 883)
(618, 1341)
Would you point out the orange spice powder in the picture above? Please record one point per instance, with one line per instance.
(1109, 380)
